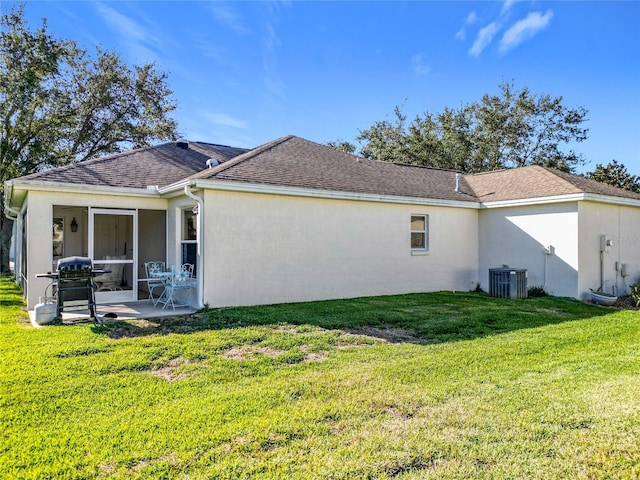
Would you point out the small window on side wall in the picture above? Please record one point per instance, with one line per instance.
(189, 244)
(188, 225)
(420, 232)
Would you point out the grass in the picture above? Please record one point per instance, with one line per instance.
(438, 385)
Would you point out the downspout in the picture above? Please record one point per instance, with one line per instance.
(17, 236)
(199, 231)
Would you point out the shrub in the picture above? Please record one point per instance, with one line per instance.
(536, 292)
(635, 293)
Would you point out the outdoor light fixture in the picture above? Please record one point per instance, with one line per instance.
(74, 225)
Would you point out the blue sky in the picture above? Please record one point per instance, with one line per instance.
(244, 73)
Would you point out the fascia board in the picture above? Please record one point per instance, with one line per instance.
(44, 186)
(175, 189)
(521, 202)
(621, 201)
(575, 197)
(226, 185)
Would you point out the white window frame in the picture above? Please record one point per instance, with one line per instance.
(183, 240)
(424, 249)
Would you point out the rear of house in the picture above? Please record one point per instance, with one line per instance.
(552, 224)
(293, 220)
(297, 221)
(269, 248)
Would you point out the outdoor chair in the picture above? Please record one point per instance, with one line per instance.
(178, 285)
(154, 280)
(113, 279)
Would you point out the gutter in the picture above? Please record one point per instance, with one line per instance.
(7, 209)
(570, 197)
(48, 186)
(16, 240)
(199, 257)
(245, 187)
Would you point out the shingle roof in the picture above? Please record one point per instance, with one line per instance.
(158, 165)
(535, 182)
(296, 162)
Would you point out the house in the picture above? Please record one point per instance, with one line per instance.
(293, 220)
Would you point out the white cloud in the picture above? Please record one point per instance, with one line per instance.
(225, 120)
(506, 6)
(228, 18)
(524, 29)
(419, 65)
(274, 87)
(470, 20)
(484, 38)
(140, 40)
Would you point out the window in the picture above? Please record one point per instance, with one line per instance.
(189, 231)
(189, 243)
(420, 232)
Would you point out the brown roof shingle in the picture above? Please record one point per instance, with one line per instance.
(535, 181)
(296, 162)
(158, 165)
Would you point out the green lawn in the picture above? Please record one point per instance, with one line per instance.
(442, 385)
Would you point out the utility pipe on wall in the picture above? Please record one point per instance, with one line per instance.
(605, 243)
(199, 257)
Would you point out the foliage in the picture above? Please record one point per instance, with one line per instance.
(536, 291)
(615, 174)
(342, 145)
(58, 103)
(635, 293)
(436, 385)
(511, 129)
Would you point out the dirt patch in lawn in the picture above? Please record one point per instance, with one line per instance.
(389, 334)
(246, 352)
(312, 356)
(156, 326)
(174, 370)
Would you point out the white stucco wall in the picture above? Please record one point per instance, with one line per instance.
(620, 224)
(518, 236)
(262, 249)
(39, 228)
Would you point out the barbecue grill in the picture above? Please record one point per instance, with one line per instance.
(73, 285)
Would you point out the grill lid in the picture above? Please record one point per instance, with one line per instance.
(74, 264)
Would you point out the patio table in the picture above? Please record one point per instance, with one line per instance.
(176, 279)
(165, 276)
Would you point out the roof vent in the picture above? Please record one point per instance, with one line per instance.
(212, 162)
(458, 178)
(182, 143)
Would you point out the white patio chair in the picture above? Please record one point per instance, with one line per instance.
(113, 279)
(155, 280)
(178, 285)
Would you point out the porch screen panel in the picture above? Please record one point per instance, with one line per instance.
(152, 242)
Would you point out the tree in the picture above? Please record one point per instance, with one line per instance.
(615, 174)
(512, 129)
(342, 145)
(59, 104)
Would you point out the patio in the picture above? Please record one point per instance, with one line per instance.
(124, 311)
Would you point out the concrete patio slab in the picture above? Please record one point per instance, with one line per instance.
(122, 311)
